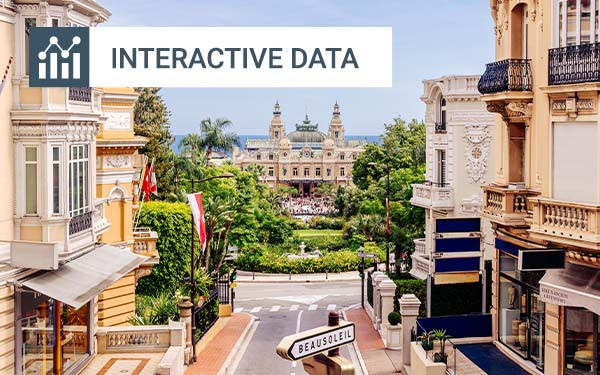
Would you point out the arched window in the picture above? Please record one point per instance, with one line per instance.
(440, 123)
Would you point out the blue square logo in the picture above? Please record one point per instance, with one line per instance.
(59, 57)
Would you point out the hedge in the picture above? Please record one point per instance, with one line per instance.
(172, 223)
(338, 261)
(411, 286)
(322, 222)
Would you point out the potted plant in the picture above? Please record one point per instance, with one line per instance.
(426, 340)
(394, 331)
(441, 336)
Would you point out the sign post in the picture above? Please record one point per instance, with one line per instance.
(309, 346)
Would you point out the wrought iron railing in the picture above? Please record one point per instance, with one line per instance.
(506, 75)
(440, 127)
(80, 94)
(574, 64)
(370, 288)
(223, 288)
(80, 223)
(207, 314)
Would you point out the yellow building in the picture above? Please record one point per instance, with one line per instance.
(544, 87)
(304, 157)
(69, 255)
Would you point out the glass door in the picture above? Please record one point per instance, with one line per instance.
(537, 317)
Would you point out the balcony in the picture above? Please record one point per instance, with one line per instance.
(506, 206)
(144, 243)
(420, 247)
(80, 94)
(566, 222)
(432, 195)
(506, 75)
(99, 220)
(421, 266)
(574, 64)
(440, 128)
(80, 223)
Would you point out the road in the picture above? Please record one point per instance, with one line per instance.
(283, 309)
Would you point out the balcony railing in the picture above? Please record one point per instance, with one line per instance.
(420, 247)
(80, 94)
(144, 242)
(435, 195)
(506, 75)
(80, 223)
(555, 220)
(440, 127)
(420, 266)
(506, 206)
(574, 64)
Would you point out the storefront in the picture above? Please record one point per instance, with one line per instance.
(54, 322)
(521, 313)
(577, 290)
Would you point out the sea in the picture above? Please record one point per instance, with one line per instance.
(244, 138)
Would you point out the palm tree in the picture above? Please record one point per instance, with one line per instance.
(326, 189)
(219, 214)
(214, 136)
(257, 169)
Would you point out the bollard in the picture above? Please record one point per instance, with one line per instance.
(334, 320)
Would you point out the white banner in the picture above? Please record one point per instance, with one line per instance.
(241, 56)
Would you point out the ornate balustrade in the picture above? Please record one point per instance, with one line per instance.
(420, 247)
(80, 223)
(131, 339)
(99, 220)
(566, 222)
(144, 242)
(506, 75)
(432, 195)
(506, 206)
(420, 266)
(574, 64)
(80, 94)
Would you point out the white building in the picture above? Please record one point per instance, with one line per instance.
(459, 161)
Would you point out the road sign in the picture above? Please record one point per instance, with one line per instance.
(366, 255)
(233, 285)
(315, 341)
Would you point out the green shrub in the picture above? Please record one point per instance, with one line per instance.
(324, 243)
(297, 223)
(172, 223)
(269, 262)
(413, 286)
(394, 318)
(155, 310)
(322, 222)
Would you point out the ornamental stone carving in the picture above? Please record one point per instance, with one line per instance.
(117, 161)
(477, 149)
(118, 120)
(76, 131)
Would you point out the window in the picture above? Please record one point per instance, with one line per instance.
(581, 341)
(342, 156)
(31, 175)
(337, 134)
(258, 156)
(307, 154)
(329, 154)
(271, 172)
(276, 133)
(55, 22)
(285, 154)
(328, 172)
(78, 180)
(318, 172)
(270, 156)
(577, 22)
(342, 171)
(284, 171)
(55, 180)
(574, 167)
(306, 172)
(295, 171)
(29, 23)
(441, 168)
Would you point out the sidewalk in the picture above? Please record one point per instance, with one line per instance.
(214, 356)
(378, 360)
(246, 277)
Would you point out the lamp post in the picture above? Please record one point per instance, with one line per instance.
(387, 213)
(193, 261)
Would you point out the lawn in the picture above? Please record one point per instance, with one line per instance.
(313, 233)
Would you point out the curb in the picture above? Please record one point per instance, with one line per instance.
(361, 362)
(238, 344)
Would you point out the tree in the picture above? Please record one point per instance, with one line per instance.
(151, 120)
(326, 189)
(214, 136)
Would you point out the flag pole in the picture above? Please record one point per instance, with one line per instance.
(193, 284)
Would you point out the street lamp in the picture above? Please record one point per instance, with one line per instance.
(387, 214)
(193, 261)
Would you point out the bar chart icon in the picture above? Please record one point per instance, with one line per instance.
(61, 57)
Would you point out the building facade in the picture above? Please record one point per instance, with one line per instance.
(70, 256)
(304, 157)
(543, 88)
(458, 161)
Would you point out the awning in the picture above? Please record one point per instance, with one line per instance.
(574, 285)
(78, 281)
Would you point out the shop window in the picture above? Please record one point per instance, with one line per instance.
(581, 341)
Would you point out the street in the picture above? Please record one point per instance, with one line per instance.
(283, 309)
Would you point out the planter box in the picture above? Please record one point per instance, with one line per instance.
(393, 337)
(421, 365)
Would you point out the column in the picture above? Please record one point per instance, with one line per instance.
(378, 277)
(409, 310)
(185, 315)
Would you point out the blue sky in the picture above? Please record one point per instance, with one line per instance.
(431, 38)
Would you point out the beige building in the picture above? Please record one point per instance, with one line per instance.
(304, 157)
(69, 254)
(458, 162)
(544, 89)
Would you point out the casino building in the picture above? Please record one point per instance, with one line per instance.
(304, 157)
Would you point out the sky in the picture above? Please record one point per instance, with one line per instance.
(431, 38)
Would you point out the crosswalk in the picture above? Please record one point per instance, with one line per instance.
(277, 308)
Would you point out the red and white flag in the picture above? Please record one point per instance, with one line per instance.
(195, 202)
(153, 188)
(146, 184)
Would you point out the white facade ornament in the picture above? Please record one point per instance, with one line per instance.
(117, 161)
(477, 149)
(118, 120)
